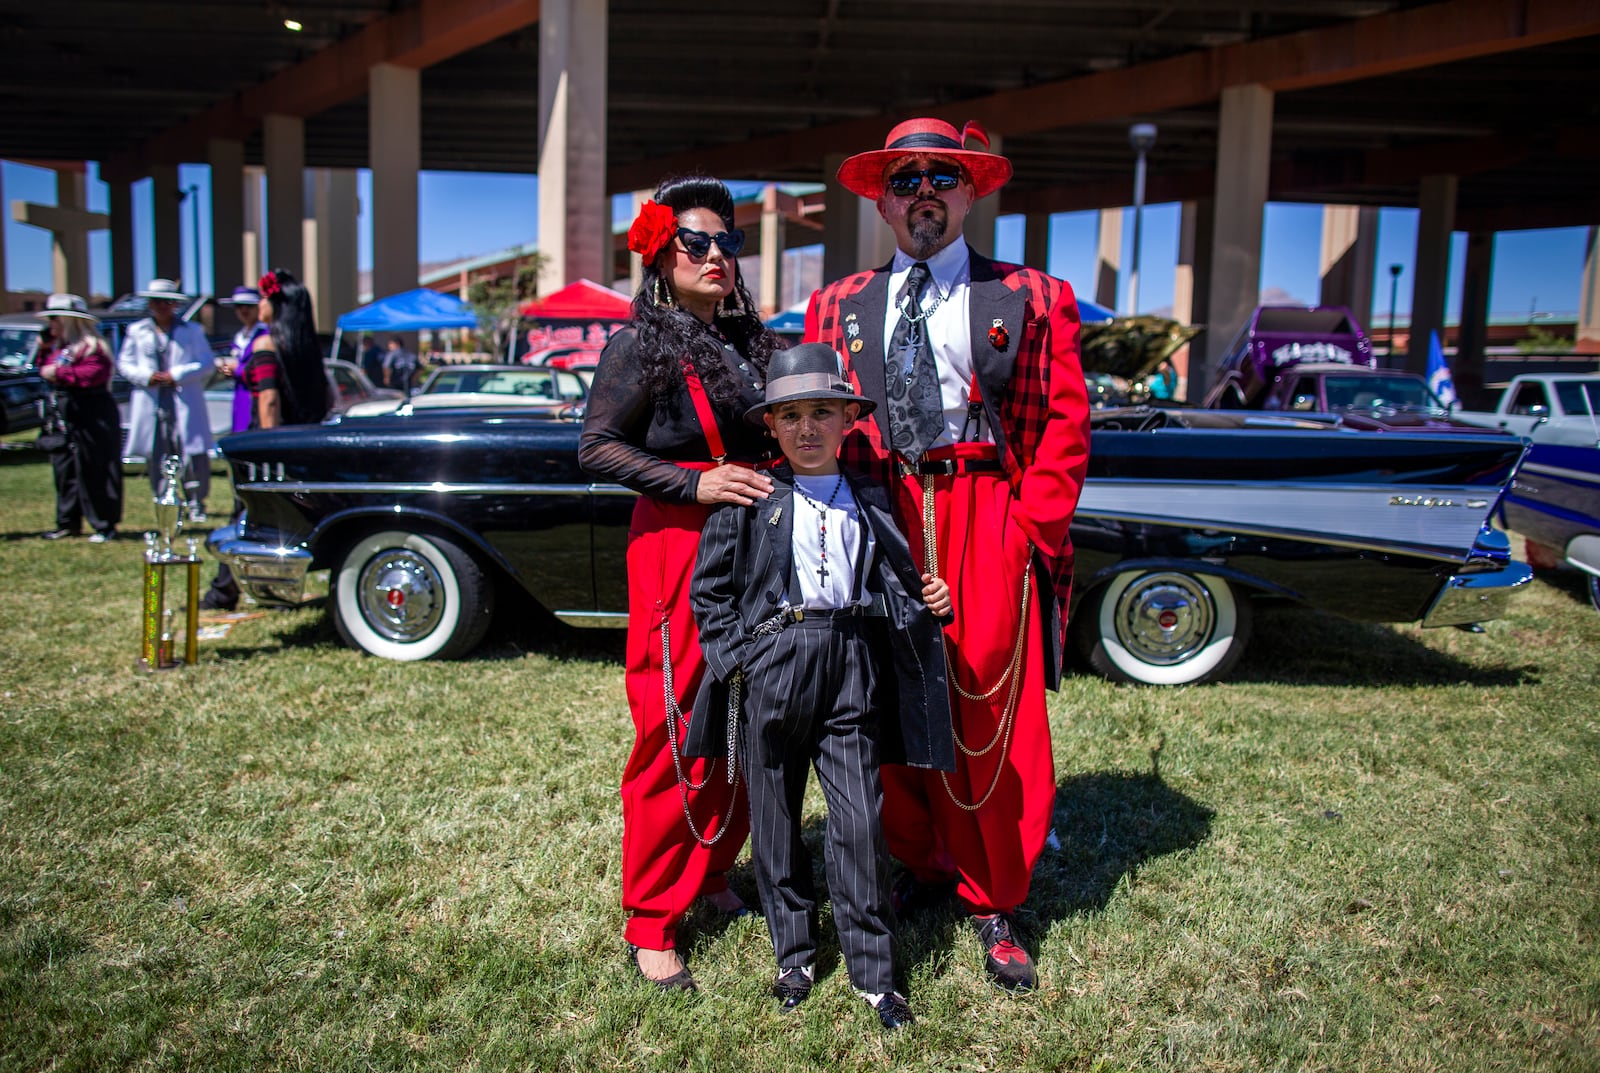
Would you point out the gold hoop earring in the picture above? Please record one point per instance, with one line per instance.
(663, 295)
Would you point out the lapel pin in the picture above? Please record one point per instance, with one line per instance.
(855, 346)
(852, 329)
(998, 336)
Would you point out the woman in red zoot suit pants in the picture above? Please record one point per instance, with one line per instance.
(664, 418)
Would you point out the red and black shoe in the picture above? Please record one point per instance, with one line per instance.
(1007, 964)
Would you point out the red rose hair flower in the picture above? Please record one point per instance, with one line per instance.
(269, 285)
(654, 227)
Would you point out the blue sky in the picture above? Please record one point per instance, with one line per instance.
(466, 214)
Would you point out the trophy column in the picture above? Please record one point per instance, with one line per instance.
(157, 621)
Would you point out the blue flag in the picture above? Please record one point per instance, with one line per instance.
(1439, 381)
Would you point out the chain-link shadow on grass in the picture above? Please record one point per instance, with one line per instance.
(1302, 647)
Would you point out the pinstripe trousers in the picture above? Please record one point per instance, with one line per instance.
(808, 701)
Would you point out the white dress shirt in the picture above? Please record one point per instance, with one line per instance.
(845, 533)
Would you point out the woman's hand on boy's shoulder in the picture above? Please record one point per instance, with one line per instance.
(732, 484)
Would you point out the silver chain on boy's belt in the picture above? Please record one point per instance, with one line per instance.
(777, 623)
(674, 714)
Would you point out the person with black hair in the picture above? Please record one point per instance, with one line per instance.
(665, 418)
(287, 385)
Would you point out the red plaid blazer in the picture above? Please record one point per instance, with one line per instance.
(1030, 380)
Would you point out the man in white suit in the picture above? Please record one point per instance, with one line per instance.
(167, 360)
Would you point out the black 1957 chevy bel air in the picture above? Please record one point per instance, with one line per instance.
(1187, 519)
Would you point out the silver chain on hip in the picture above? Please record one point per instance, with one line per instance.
(674, 715)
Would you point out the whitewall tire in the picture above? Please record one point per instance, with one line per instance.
(410, 596)
(1163, 627)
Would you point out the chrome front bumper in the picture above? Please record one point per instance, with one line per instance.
(1469, 598)
(269, 573)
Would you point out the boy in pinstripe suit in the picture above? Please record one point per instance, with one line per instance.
(810, 606)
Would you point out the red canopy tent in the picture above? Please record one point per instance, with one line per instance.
(578, 318)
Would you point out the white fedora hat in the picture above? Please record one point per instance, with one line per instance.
(162, 290)
(67, 305)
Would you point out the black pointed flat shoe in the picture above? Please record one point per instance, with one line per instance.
(678, 981)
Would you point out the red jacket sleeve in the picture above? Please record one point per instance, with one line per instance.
(1053, 479)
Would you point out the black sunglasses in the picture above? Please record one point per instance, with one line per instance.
(698, 243)
(906, 183)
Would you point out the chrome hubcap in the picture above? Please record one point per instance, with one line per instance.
(1165, 618)
(402, 596)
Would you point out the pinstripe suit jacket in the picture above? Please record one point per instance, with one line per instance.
(743, 566)
(1031, 382)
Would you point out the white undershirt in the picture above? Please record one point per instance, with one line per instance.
(845, 533)
(949, 329)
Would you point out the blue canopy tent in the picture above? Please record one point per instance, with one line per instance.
(408, 311)
(1089, 311)
(789, 322)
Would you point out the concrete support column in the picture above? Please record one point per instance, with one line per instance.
(635, 262)
(1588, 335)
(1467, 368)
(574, 209)
(1191, 291)
(330, 243)
(1108, 258)
(1036, 240)
(772, 244)
(121, 212)
(1437, 200)
(226, 157)
(841, 228)
(1244, 154)
(394, 109)
(979, 226)
(164, 206)
(253, 240)
(284, 149)
(1349, 245)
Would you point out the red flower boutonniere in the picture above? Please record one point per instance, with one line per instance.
(999, 338)
(268, 286)
(652, 230)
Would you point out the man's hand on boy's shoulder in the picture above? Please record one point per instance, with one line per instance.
(936, 594)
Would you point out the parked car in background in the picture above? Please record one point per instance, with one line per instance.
(1546, 408)
(523, 387)
(1555, 504)
(1316, 360)
(1189, 519)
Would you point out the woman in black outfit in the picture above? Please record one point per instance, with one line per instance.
(665, 418)
(77, 363)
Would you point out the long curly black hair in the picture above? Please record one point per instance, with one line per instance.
(668, 334)
(294, 335)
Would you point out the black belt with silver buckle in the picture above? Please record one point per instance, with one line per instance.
(947, 467)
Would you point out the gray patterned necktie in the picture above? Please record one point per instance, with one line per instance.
(916, 408)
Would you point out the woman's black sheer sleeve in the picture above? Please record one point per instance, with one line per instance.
(616, 425)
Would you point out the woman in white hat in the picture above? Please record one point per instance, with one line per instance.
(167, 361)
(88, 460)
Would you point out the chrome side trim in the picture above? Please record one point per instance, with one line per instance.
(1432, 522)
(436, 487)
(612, 620)
(1468, 598)
(1561, 472)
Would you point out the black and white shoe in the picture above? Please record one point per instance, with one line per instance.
(893, 1011)
(793, 986)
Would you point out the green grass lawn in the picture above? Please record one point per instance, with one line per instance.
(1375, 849)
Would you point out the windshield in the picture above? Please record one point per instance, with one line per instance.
(1373, 392)
(16, 347)
(1579, 396)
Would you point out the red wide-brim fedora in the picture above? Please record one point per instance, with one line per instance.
(863, 173)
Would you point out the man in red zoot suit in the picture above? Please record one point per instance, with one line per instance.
(1005, 393)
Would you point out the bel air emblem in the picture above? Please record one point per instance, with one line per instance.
(1437, 501)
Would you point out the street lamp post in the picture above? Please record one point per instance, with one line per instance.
(1394, 293)
(1141, 136)
(191, 194)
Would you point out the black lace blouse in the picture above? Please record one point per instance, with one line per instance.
(633, 439)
